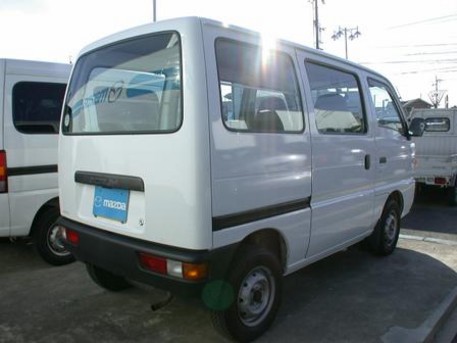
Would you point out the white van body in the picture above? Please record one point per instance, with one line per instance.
(277, 153)
(436, 150)
(30, 104)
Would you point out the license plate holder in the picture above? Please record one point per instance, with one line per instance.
(111, 203)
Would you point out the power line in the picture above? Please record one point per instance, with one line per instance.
(445, 18)
(415, 45)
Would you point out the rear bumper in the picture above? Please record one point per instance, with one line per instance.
(437, 180)
(119, 255)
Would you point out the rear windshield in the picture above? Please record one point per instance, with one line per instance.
(131, 87)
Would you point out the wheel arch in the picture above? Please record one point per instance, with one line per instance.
(272, 240)
(398, 198)
(54, 202)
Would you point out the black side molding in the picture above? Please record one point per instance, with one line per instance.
(17, 171)
(226, 221)
(132, 183)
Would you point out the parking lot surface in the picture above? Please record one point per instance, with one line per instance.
(352, 296)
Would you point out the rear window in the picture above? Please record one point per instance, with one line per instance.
(130, 87)
(37, 107)
(437, 124)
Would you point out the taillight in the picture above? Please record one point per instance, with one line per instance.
(69, 235)
(3, 173)
(165, 266)
(440, 181)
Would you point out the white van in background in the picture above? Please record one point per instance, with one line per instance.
(31, 96)
(196, 159)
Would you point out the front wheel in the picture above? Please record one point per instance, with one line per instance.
(384, 238)
(256, 279)
(47, 238)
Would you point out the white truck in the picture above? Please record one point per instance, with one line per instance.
(436, 151)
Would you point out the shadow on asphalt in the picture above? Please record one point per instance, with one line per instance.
(356, 297)
(349, 297)
(431, 213)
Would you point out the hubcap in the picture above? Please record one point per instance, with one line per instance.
(54, 241)
(390, 228)
(256, 296)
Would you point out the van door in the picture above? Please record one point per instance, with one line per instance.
(392, 162)
(4, 203)
(342, 153)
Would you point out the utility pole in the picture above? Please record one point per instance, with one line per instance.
(154, 11)
(316, 25)
(353, 34)
(437, 94)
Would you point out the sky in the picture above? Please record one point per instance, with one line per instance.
(411, 42)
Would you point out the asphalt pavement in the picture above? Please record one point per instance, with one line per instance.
(352, 296)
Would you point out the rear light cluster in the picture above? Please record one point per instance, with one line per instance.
(165, 266)
(3, 173)
(441, 181)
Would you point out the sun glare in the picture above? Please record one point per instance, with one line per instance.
(269, 42)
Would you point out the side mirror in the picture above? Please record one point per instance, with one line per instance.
(417, 127)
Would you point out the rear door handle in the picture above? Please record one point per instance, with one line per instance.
(367, 162)
(383, 159)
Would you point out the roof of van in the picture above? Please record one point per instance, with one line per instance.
(36, 68)
(187, 22)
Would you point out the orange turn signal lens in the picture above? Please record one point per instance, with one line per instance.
(194, 272)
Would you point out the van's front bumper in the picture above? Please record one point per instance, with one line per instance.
(119, 255)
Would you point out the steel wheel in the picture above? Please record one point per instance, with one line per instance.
(47, 239)
(390, 228)
(256, 281)
(54, 242)
(255, 296)
(384, 238)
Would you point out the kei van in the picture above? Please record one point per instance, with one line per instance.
(31, 97)
(198, 159)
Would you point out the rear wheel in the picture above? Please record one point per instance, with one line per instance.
(107, 280)
(384, 238)
(256, 279)
(47, 238)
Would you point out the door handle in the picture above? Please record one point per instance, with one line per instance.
(367, 162)
(383, 159)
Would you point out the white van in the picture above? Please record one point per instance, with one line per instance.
(196, 158)
(31, 96)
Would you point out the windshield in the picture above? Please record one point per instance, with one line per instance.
(130, 87)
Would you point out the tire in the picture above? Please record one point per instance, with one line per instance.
(452, 195)
(256, 279)
(384, 238)
(107, 280)
(47, 240)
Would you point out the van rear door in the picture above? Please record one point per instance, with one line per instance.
(127, 164)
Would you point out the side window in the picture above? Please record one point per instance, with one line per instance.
(387, 113)
(37, 107)
(337, 100)
(259, 89)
